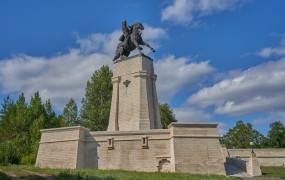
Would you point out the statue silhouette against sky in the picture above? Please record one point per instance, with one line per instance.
(130, 40)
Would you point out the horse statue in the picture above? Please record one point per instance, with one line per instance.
(131, 39)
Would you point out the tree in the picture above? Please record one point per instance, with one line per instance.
(166, 114)
(70, 113)
(241, 135)
(276, 135)
(95, 109)
(20, 124)
(8, 113)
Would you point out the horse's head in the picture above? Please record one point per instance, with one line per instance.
(137, 27)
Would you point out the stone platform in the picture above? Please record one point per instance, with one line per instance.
(190, 148)
(134, 139)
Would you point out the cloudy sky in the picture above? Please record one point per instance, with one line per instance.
(216, 60)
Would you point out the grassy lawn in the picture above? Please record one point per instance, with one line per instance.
(30, 172)
(273, 171)
(33, 173)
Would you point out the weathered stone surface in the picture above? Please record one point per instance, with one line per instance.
(134, 99)
(135, 140)
(265, 156)
(192, 148)
(253, 168)
(61, 148)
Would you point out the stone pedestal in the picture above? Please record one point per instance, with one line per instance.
(253, 166)
(134, 140)
(134, 99)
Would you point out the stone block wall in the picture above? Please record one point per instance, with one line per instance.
(61, 148)
(265, 156)
(134, 99)
(196, 148)
(189, 148)
(129, 152)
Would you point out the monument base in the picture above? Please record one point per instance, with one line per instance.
(189, 148)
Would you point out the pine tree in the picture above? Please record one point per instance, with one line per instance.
(8, 113)
(20, 125)
(70, 113)
(167, 115)
(94, 113)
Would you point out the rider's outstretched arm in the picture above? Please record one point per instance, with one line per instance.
(147, 45)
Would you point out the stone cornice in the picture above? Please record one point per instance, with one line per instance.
(131, 57)
(202, 124)
(64, 128)
(122, 133)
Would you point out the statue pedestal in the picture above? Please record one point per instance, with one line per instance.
(134, 99)
(134, 140)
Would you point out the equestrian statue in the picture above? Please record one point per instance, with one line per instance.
(130, 40)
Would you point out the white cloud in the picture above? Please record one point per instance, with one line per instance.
(102, 42)
(174, 73)
(270, 118)
(187, 114)
(260, 88)
(107, 42)
(62, 77)
(188, 11)
(273, 51)
(58, 78)
(222, 128)
(191, 114)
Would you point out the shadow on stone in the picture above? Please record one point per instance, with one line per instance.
(235, 167)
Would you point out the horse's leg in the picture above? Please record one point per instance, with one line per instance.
(136, 43)
(119, 53)
(147, 45)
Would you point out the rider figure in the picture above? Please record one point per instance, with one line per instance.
(125, 37)
(130, 40)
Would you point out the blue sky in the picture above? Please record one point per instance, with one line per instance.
(218, 60)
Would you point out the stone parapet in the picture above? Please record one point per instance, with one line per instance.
(150, 150)
(195, 148)
(265, 156)
(61, 147)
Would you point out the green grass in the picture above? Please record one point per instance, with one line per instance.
(33, 173)
(30, 171)
(273, 171)
(3, 176)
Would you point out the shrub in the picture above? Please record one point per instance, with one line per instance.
(9, 153)
(29, 159)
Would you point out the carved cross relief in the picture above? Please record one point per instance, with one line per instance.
(126, 83)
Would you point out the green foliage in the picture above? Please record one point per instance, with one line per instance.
(96, 103)
(167, 115)
(9, 153)
(241, 135)
(276, 135)
(3, 176)
(28, 171)
(29, 159)
(20, 125)
(70, 113)
(273, 171)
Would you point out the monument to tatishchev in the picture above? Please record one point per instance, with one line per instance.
(134, 139)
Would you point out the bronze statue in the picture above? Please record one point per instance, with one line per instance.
(131, 39)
